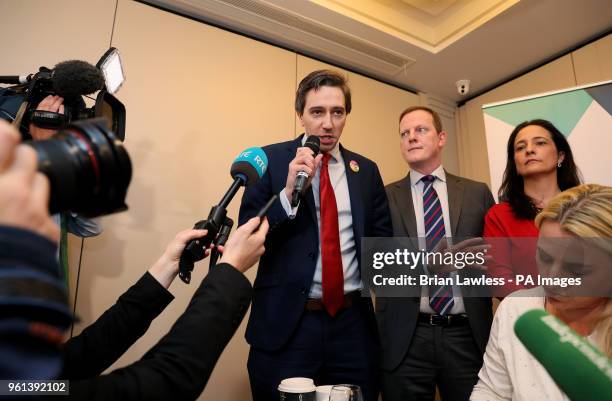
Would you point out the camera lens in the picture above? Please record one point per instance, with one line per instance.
(88, 168)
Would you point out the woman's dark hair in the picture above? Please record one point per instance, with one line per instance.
(512, 189)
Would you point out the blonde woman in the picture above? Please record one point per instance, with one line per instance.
(581, 215)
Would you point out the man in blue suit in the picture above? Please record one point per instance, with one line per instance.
(308, 318)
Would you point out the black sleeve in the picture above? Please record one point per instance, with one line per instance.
(179, 366)
(34, 311)
(24, 249)
(382, 215)
(103, 342)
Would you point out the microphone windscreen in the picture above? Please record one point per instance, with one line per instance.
(578, 368)
(313, 143)
(75, 78)
(251, 165)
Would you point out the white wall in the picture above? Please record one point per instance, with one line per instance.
(591, 63)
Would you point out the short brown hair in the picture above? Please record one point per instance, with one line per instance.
(436, 118)
(317, 79)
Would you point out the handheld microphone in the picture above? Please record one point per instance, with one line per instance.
(222, 237)
(578, 368)
(246, 170)
(313, 143)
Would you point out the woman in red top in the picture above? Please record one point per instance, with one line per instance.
(540, 165)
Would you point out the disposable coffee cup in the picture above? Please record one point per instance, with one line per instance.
(323, 393)
(297, 389)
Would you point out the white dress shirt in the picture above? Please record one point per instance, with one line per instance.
(350, 265)
(417, 186)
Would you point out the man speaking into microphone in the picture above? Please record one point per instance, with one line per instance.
(308, 318)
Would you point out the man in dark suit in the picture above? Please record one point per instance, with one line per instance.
(308, 318)
(438, 338)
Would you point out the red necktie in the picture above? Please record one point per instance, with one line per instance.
(331, 259)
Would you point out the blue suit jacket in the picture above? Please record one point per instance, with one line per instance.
(287, 267)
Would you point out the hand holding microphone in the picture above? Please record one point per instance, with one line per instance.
(245, 247)
(302, 169)
(247, 169)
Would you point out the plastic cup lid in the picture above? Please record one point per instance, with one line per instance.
(297, 385)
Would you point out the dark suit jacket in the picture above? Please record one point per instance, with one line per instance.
(178, 367)
(287, 267)
(468, 202)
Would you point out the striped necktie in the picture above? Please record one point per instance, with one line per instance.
(440, 296)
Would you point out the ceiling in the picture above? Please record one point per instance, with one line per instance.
(421, 45)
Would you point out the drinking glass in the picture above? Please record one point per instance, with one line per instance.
(345, 392)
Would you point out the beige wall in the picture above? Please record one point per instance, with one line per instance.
(447, 111)
(195, 97)
(591, 63)
(34, 40)
(371, 128)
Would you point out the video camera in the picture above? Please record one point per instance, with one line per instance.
(89, 172)
(87, 166)
(71, 80)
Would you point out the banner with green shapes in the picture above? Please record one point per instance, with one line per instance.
(563, 109)
(583, 115)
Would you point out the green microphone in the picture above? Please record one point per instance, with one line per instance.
(578, 368)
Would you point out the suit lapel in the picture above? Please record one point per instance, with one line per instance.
(354, 188)
(405, 199)
(454, 188)
(310, 204)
